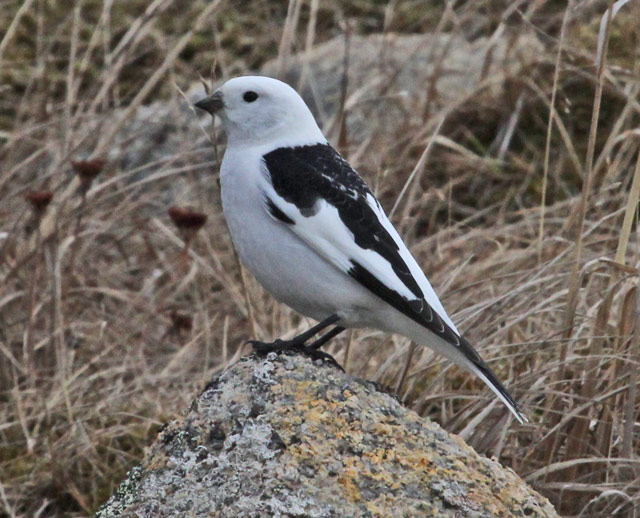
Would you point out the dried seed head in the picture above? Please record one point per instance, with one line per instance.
(87, 170)
(181, 321)
(39, 200)
(187, 219)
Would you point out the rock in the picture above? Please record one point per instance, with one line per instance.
(284, 436)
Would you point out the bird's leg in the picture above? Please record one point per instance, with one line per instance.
(313, 349)
(325, 338)
(298, 342)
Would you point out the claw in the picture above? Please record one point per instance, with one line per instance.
(316, 354)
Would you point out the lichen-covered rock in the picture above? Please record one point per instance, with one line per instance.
(284, 436)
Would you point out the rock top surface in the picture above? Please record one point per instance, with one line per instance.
(284, 436)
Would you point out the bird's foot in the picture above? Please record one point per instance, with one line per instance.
(312, 350)
(316, 354)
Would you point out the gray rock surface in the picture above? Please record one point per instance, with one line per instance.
(283, 436)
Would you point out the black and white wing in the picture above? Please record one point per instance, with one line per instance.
(323, 200)
(328, 205)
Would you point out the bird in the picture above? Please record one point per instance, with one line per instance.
(311, 231)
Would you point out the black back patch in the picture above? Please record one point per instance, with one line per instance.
(304, 175)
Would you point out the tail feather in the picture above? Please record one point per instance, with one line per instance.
(473, 361)
(483, 371)
(466, 356)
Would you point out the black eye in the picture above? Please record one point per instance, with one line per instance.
(250, 96)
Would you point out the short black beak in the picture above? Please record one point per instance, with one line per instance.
(211, 104)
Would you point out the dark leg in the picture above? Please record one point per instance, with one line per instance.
(297, 341)
(313, 349)
(325, 338)
(302, 338)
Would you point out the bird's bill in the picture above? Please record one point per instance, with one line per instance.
(212, 104)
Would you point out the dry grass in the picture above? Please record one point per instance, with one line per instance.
(520, 206)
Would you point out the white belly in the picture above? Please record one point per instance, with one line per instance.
(287, 268)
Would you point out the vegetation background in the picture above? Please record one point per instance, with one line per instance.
(112, 319)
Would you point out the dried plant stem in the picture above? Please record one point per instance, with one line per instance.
(183, 260)
(70, 90)
(417, 171)
(347, 350)
(11, 30)
(629, 214)
(225, 341)
(630, 413)
(562, 129)
(574, 283)
(343, 136)
(630, 410)
(57, 335)
(308, 43)
(76, 232)
(552, 113)
(7, 507)
(405, 369)
(171, 57)
(247, 297)
(288, 33)
(29, 351)
(115, 60)
(93, 43)
(575, 278)
(578, 436)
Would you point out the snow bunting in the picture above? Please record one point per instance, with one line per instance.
(311, 231)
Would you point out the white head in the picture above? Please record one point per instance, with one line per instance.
(259, 110)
